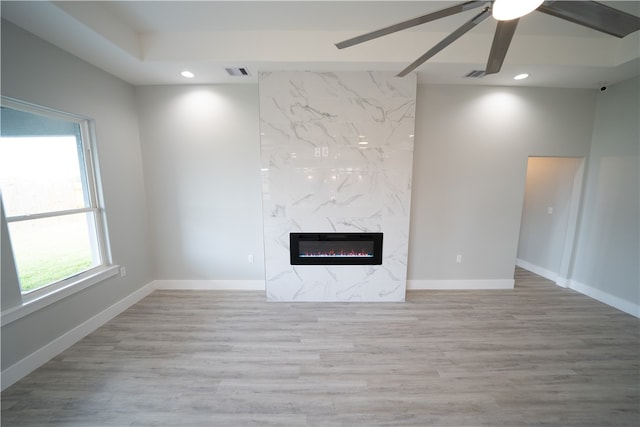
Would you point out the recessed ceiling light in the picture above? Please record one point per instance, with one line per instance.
(187, 74)
(521, 76)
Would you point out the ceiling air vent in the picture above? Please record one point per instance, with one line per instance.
(475, 73)
(238, 71)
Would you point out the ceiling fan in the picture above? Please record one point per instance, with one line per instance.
(590, 14)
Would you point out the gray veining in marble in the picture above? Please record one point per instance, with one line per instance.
(337, 155)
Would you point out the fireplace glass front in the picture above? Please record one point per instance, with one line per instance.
(336, 248)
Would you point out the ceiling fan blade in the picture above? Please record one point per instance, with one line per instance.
(462, 7)
(500, 46)
(593, 15)
(447, 41)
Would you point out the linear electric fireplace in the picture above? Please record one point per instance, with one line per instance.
(336, 248)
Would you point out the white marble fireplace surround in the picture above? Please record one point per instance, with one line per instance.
(337, 156)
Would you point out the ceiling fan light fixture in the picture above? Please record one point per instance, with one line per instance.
(506, 10)
(589, 14)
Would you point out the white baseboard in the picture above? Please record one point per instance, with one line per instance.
(597, 294)
(606, 298)
(562, 281)
(540, 271)
(41, 356)
(459, 284)
(211, 285)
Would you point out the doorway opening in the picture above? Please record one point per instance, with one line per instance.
(553, 187)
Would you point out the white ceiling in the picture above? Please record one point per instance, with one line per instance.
(150, 42)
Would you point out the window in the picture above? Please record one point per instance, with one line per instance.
(48, 186)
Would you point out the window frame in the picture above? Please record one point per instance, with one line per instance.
(55, 291)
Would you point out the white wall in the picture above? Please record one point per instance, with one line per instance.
(36, 72)
(607, 254)
(201, 148)
(470, 159)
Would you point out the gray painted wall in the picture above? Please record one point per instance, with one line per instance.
(201, 148)
(36, 72)
(607, 255)
(470, 160)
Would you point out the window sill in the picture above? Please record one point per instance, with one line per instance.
(32, 305)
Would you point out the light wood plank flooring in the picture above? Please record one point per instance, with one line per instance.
(535, 355)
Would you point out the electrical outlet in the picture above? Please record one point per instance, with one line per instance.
(458, 258)
(325, 151)
(123, 271)
(317, 151)
(550, 210)
(250, 259)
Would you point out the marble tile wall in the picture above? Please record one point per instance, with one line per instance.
(337, 155)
